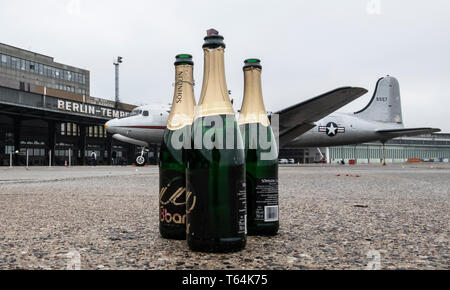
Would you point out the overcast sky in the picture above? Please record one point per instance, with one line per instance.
(306, 47)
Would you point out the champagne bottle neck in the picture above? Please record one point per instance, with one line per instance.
(253, 109)
(214, 99)
(182, 112)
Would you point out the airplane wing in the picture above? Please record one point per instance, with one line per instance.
(390, 134)
(300, 118)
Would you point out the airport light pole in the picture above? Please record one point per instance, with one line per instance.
(116, 65)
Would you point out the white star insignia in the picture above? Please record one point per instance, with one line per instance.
(332, 130)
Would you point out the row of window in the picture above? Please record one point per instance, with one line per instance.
(66, 88)
(391, 153)
(33, 151)
(72, 129)
(9, 149)
(42, 69)
(29, 142)
(40, 152)
(417, 142)
(63, 153)
(96, 132)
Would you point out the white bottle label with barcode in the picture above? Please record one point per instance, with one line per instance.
(271, 213)
(266, 200)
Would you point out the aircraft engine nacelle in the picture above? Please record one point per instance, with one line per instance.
(130, 140)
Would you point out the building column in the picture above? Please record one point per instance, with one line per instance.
(158, 150)
(82, 144)
(17, 136)
(368, 155)
(51, 143)
(155, 151)
(131, 154)
(108, 147)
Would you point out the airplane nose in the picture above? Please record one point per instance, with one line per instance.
(109, 126)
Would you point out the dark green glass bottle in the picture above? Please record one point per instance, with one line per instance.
(261, 153)
(172, 172)
(215, 173)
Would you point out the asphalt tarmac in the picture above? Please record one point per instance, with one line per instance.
(331, 217)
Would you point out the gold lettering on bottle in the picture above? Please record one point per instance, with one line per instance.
(194, 201)
(182, 112)
(173, 199)
(179, 85)
(167, 217)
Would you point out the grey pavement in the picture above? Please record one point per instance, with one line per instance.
(331, 217)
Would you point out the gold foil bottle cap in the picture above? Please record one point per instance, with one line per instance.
(182, 112)
(214, 99)
(253, 109)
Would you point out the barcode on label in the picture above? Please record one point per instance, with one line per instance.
(271, 213)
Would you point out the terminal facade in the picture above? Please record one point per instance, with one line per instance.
(432, 147)
(48, 117)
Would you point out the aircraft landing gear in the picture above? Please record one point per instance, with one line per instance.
(140, 159)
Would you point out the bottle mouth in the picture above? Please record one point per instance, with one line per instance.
(184, 58)
(214, 41)
(252, 62)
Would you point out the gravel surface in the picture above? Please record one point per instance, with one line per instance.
(388, 218)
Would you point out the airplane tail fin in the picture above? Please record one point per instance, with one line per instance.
(385, 105)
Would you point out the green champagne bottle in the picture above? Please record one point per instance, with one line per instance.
(215, 173)
(172, 172)
(261, 155)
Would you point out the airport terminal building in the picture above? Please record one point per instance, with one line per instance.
(432, 147)
(47, 115)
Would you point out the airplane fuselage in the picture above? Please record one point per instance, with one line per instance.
(341, 129)
(148, 127)
(334, 130)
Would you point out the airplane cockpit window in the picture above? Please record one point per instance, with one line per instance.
(135, 112)
(145, 113)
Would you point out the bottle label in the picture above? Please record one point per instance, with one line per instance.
(266, 207)
(172, 197)
(242, 208)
